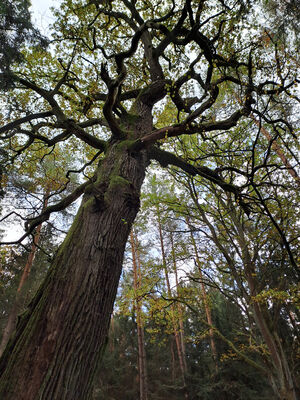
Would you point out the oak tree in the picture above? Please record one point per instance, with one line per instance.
(101, 91)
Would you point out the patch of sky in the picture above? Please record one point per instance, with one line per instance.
(41, 14)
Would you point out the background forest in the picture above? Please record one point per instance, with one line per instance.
(207, 306)
(183, 321)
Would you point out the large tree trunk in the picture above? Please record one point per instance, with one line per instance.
(58, 341)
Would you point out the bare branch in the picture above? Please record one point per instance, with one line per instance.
(28, 118)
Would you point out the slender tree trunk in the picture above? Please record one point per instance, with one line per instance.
(205, 300)
(179, 307)
(173, 318)
(12, 317)
(173, 359)
(281, 378)
(140, 329)
(112, 330)
(58, 342)
(143, 348)
(284, 384)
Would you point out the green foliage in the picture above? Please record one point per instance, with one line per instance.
(118, 377)
(15, 30)
(217, 90)
(241, 347)
(12, 264)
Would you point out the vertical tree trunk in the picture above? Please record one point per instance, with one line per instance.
(179, 306)
(12, 317)
(58, 342)
(112, 330)
(205, 300)
(173, 318)
(140, 330)
(284, 384)
(143, 348)
(173, 359)
(281, 377)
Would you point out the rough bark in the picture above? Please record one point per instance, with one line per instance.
(58, 341)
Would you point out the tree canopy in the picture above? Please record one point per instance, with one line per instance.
(207, 90)
(15, 29)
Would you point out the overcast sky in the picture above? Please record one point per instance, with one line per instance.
(41, 14)
(41, 18)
